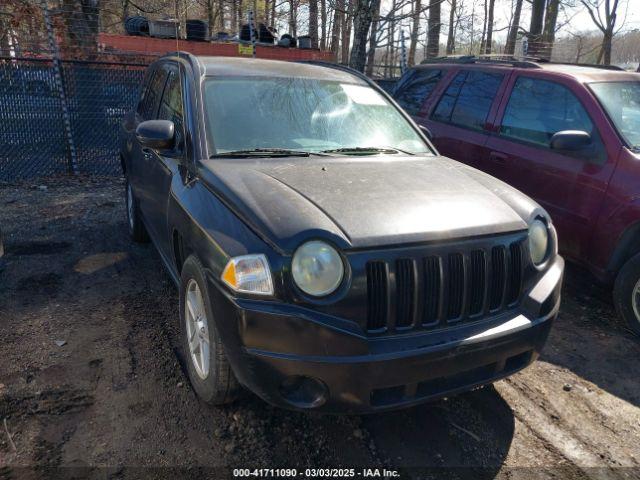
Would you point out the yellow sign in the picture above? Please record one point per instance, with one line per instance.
(245, 49)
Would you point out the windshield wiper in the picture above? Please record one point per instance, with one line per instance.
(366, 150)
(264, 152)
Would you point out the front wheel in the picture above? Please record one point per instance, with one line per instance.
(626, 293)
(207, 365)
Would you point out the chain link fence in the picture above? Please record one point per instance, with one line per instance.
(67, 79)
(35, 140)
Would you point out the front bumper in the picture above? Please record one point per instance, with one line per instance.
(271, 346)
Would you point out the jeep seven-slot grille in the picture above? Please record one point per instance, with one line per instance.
(443, 289)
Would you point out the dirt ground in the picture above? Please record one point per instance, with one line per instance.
(90, 384)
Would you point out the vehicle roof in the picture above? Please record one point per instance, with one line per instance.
(582, 73)
(237, 66)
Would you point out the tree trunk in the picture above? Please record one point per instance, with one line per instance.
(292, 18)
(221, 19)
(313, 22)
(337, 24)
(125, 10)
(323, 24)
(373, 41)
(415, 31)
(5, 49)
(451, 36)
(606, 47)
(273, 14)
(512, 36)
(362, 17)
(82, 20)
(549, 32)
(234, 15)
(535, 28)
(346, 31)
(434, 24)
(210, 16)
(484, 27)
(391, 29)
(488, 45)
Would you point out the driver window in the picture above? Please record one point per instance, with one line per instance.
(538, 109)
(150, 94)
(171, 108)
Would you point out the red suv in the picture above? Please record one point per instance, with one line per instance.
(566, 135)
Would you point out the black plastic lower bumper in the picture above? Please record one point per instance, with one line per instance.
(350, 373)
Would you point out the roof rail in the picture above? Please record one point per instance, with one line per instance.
(496, 59)
(591, 65)
(337, 66)
(502, 59)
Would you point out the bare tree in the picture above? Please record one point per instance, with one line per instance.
(489, 37)
(434, 24)
(373, 41)
(606, 25)
(363, 13)
(415, 31)
(451, 39)
(313, 22)
(337, 25)
(484, 26)
(549, 30)
(81, 19)
(346, 31)
(512, 36)
(535, 28)
(323, 24)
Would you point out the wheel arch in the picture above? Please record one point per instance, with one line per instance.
(627, 247)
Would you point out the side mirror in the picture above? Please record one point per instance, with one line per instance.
(426, 131)
(156, 134)
(570, 140)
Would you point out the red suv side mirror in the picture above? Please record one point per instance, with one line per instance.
(570, 140)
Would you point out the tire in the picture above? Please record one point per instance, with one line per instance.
(626, 293)
(216, 384)
(137, 230)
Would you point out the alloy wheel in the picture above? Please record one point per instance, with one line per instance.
(197, 329)
(130, 207)
(635, 299)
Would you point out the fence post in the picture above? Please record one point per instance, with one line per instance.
(57, 66)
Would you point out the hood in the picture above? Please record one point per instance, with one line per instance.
(360, 202)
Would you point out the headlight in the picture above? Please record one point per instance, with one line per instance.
(538, 241)
(248, 274)
(317, 268)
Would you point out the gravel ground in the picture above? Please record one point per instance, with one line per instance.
(91, 386)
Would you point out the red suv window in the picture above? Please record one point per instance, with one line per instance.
(415, 91)
(468, 99)
(538, 108)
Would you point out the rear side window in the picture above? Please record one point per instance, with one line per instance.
(412, 95)
(151, 94)
(468, 99)
(539, 108)
(171, 107)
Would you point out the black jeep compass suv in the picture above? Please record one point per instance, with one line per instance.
(327, 257)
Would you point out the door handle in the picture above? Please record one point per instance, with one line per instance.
(498, 157)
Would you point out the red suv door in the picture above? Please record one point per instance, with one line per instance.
(569, 185)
